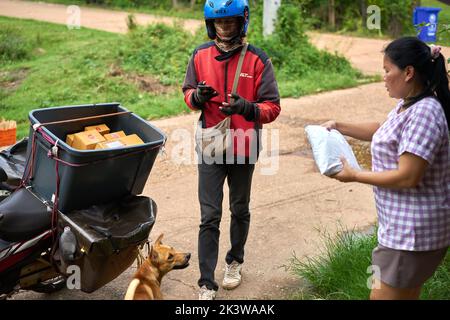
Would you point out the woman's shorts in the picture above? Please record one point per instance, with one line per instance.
(406, 269)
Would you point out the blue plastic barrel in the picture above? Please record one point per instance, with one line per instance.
(426, 15)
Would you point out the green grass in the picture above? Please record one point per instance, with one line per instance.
(340, 272)
(68, 67)
(321, 81)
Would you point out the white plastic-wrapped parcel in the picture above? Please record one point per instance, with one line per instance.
(328, 147)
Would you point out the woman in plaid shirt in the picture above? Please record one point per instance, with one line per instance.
(410, 169)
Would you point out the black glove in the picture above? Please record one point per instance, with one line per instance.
(240, 106)
(203, 94)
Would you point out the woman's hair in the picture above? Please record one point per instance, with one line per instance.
(410, 51)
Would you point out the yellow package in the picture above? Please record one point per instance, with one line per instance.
(109, 144)
(131, 140)
(115, 135)
(86, 140)
(69, 139)
(101, 128)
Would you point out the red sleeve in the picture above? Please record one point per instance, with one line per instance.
(190, 83)
(268, 97)
(188, 97)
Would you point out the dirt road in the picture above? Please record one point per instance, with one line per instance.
(290, 208)
(93, 18)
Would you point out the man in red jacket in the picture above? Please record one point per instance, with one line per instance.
(207, 87)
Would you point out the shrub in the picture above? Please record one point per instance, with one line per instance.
(160, 50)
(13, 46)
(289, 48)
(131, 22)
(350, 15)
(164, 51)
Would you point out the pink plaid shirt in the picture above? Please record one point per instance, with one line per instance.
(414, 219)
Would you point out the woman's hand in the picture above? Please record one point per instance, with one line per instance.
(347, 174)
(329, 125)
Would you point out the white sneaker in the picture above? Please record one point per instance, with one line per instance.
(206, 294)
(232, 277)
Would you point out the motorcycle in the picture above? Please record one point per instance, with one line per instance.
(36, 251)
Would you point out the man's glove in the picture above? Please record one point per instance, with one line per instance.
(240, 106)
(202, 94)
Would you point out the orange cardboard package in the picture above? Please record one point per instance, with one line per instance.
(87, 140)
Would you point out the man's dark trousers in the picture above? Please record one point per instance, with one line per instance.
(210, 192)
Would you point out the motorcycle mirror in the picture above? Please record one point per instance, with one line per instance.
(3, 175)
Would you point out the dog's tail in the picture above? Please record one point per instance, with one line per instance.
(132, 289)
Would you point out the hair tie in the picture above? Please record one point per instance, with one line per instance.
(435, 51)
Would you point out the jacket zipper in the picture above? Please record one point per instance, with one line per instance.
(226, 80)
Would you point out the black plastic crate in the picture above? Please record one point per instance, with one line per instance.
(110, 173)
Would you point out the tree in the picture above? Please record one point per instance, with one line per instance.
(363, 8)
(332, 14)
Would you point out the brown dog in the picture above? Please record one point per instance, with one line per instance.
(147, 280)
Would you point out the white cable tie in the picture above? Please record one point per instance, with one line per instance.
(55, 148)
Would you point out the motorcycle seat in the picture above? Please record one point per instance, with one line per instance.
(22, 216)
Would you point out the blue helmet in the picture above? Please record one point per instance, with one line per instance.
(226, 8)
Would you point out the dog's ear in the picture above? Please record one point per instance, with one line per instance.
(153, 255)
(158, 240)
